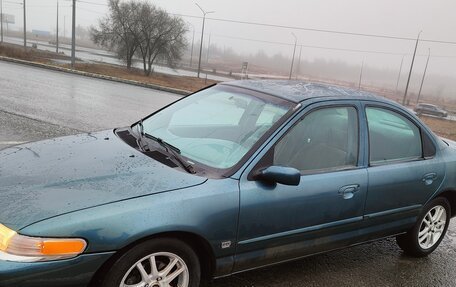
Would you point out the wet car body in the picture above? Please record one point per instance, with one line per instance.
(104, 188)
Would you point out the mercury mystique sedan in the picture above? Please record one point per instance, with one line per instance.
(234, 177)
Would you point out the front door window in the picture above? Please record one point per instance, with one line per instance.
(326, 139)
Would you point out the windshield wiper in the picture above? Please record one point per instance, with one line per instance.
(173, 151)
(143, 145)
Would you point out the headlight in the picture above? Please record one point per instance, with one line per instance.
(16, 247)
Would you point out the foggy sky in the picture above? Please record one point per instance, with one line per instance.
(404, 18)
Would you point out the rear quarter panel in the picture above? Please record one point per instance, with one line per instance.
(449, 157)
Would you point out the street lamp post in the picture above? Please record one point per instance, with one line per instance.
(73, 36)
(294, 52)
(202, 37)
(299, 63)
(57, 30)
(411, 69)
(208, 50)
(25, 25)
(424, 76)
(193, 42)
(1, 18)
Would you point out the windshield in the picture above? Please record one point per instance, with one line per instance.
(217, 126)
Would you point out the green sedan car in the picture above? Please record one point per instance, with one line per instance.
(238, 176)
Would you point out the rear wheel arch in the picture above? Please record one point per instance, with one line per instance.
(199, 245)
(450, 195)
(429, 230)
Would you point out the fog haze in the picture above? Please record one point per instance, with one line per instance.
(405, 18)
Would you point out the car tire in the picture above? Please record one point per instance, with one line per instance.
(418, 242)
(171, 256)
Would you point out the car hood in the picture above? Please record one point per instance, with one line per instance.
(49, 178)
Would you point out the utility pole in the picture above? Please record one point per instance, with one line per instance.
(1, 18)
(64, 26)
(57, 32)
(399, 75)
(193, 42)
(25, 26)
(411, 69)
(73, 36)
(299, 63)
(294, 51)
(202, 37)
(424, 76)
(361, 75)
(208, 49)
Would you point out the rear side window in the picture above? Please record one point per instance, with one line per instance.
(392, 137)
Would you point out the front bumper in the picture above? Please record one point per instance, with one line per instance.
(63, 273)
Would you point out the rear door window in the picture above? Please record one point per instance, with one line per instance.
(392, 137)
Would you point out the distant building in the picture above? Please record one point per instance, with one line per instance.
(41, 33)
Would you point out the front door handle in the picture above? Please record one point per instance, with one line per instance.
(348, 191)
(429, 178)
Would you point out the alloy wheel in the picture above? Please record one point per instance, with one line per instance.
(432, 227)
(162, 269)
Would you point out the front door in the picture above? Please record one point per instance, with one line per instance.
(279, 222)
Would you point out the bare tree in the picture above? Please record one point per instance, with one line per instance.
(118, 30)
(161, 36)
(140, 28)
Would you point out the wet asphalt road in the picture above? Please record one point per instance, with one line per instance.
(72, 101)
(37, 104)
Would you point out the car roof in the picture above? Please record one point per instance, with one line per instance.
(298, 91)
(426, 104)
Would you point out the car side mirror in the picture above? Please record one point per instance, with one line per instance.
(280, 174)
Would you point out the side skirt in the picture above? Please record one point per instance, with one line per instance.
(302, 257)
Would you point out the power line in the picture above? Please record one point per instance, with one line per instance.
(310, 46)
(92, 3)
(44, 6)
(11, 2)
(92, 11)
(329, 48)
(283, 27)
(310, 29)
(283, 43)
(346, 33)
(318, 30)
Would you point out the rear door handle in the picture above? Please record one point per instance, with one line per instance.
(348, 191)
(429, 178)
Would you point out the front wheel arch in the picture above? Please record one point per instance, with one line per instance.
(199, 245)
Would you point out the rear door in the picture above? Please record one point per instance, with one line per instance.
(404, 171)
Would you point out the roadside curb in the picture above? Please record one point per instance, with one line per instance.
(96, 76)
